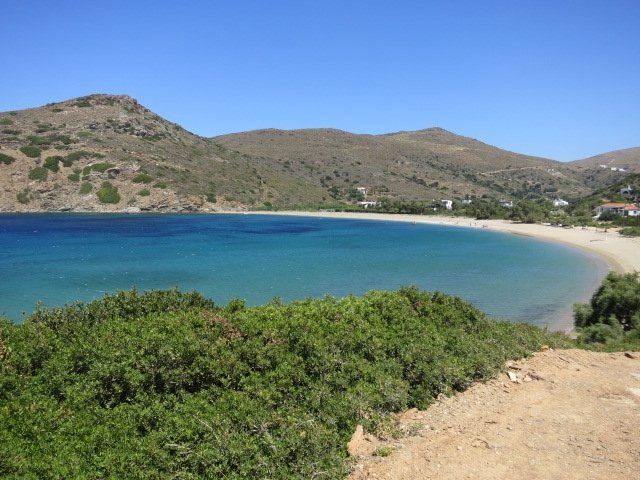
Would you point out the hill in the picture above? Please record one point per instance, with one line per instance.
(109, 153)
(422, 165)
(608, 168)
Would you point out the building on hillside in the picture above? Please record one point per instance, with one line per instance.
(622, 209)
(558, 202)
(362, 190)
(506, 203)
(628, 191)
(447, 204)
(365, 204)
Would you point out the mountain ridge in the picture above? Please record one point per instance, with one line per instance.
(157, 165)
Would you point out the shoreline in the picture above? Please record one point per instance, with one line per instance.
(621, 254)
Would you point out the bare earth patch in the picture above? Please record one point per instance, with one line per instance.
(568, 414)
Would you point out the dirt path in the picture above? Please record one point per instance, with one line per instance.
(575, 415)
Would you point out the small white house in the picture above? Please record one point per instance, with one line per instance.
(558, 202)
(628, 190)
(365, 204)
(362, 190)
(506, 203)
(447, 204)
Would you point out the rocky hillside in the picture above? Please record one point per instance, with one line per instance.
(428, 164)
(109, 153)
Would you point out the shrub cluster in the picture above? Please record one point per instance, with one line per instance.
(108, 193)
(31, 151)
(142, 178)
(6, 159)
(52, 163)
(97, 167)
(612, 318)
(167, 385)
(38, 173)
(24, 196)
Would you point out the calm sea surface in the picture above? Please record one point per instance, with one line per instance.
(58, 258)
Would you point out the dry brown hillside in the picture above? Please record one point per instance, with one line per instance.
(109, 153)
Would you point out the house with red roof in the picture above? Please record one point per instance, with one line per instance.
(622, 209)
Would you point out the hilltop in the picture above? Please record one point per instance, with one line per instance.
(109, 153)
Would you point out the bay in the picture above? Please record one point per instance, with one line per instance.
(59, 258)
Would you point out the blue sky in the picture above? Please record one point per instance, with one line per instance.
(558, 79)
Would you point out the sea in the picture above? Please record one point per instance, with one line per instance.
(55, 259)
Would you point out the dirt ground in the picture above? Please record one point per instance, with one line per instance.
(567, 414)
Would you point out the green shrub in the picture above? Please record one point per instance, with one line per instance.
(38, 173)
(74, 156)
(6, 159)
(11, 131)
(108, 193)
(49, 139)
(23, 196)
(144, 192)
(31, 151)
(85, 188)
(630, 231)
(52, 163)
(168, 385)
(615, 303)
(6, 121)
(101, 167)
(160, 185)
(142, 178)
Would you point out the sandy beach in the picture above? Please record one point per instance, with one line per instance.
(621, 253)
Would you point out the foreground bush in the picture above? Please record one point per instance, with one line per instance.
(612, 317)
(167, 385)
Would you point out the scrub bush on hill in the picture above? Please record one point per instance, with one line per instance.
(108, 193)
(30, 151)
(168, 385)
(612, 317)
(6, 159)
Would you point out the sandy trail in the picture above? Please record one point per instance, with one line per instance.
(576, 415)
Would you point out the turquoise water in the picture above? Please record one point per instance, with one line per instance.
(58, 258)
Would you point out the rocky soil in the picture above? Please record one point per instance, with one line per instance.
(566, 414)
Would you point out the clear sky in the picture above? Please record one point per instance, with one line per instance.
(554, 78)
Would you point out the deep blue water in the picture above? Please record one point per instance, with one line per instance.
(58, 258)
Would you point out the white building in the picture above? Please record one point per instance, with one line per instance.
(365, 204)
(558, 202)
(448, 204)
(622, 209)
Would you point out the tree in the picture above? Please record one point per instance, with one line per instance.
(616, 303)
(527, 211)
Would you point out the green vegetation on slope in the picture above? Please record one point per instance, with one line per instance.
(611, 320)
(165, 384)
